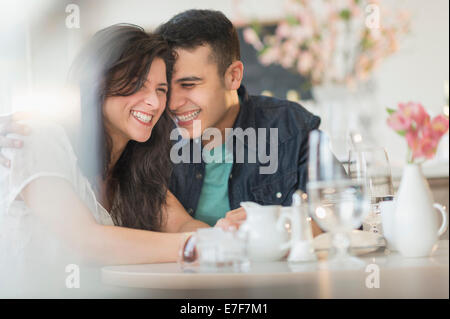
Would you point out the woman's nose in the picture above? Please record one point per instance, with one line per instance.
(151, 99)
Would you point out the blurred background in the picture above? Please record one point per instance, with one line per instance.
(346, 61)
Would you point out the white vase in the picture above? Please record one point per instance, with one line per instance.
(415, 220)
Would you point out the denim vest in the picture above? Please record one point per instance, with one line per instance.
(246, 182)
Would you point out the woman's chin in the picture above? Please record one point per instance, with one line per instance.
(141, 138)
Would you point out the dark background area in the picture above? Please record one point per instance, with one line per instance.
(274, 78)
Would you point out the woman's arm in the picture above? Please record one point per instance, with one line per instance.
(56, 204)
(177, 219)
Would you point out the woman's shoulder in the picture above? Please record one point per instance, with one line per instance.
(46, 150)
(46, 138)
(47, 130)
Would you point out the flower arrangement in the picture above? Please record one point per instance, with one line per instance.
(422, 133)
(339, 41)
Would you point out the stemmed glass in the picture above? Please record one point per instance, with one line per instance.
(371, 165)
(337, 202)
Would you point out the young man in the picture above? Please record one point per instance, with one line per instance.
(206, 91)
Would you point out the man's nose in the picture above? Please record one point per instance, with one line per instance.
(176, 100)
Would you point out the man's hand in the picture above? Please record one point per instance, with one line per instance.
(233, 219)
(9, 124)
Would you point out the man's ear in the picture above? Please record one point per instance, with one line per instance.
(233, 75)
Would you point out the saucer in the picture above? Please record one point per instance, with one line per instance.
(362, 242)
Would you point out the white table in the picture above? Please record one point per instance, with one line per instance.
(399, 277)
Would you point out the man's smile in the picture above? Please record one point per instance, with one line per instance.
(186, 118)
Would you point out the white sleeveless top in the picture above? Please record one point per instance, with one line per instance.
(24, 242)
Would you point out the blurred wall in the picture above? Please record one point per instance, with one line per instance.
(417, 72)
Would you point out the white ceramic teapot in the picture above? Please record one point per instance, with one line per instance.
(267, 236)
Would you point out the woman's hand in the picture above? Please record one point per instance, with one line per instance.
(233, 219)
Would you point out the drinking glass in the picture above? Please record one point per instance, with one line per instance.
(337, 202)
(216, 250)
(371, 165)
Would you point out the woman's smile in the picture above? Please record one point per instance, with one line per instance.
(142, 117)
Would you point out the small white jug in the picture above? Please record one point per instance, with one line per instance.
(267, 236)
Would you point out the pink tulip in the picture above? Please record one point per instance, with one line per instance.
(270, 56)
(305, 63)
(420, 146)
(354, 9)
(283, 30)
(305, 17)
(439, 126)
(415, 112)
(252, 38)
(422, 135)
(399, 122)
(427, 144)
(427, 149)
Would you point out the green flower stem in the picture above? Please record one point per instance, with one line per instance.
(410, 156)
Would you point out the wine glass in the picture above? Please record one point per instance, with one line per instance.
(337, 202)
(371, 165)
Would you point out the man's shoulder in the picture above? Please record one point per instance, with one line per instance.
(289, 117)
(278, 106)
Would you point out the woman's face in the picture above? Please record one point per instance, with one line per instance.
(133, 117)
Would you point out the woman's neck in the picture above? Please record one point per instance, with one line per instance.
(118, 145)
(116, 152)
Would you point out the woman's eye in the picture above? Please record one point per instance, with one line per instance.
(142, 88)
(162, 91)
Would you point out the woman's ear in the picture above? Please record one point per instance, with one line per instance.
(233, 75)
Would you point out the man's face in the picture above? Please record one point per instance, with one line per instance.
(198, 92)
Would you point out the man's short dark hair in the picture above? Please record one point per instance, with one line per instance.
(193, 28)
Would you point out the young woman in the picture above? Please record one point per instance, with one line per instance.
(102, 195)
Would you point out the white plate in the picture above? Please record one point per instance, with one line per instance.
(362, 242)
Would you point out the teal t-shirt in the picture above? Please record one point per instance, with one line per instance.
(214, 203)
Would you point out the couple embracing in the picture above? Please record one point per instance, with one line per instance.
(110, 193)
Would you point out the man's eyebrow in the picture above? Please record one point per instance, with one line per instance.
(189, 79)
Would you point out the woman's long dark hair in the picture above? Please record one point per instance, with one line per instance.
(116, 62)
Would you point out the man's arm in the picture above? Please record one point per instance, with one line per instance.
(177, 219)
(9, 124)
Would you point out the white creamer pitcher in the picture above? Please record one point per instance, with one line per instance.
(267, 236)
